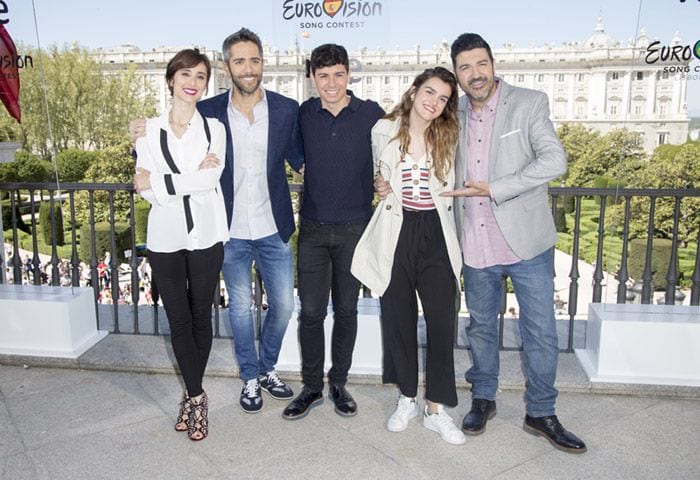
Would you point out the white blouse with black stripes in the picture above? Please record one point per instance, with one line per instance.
(187, 207)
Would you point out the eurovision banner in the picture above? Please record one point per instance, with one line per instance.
(9, 74)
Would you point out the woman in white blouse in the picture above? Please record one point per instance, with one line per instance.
(410, 245)
(179, 162)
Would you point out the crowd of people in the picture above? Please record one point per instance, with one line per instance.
(44, 269)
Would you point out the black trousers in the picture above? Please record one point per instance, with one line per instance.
(186, 281)
(421, 264)
(323, 266)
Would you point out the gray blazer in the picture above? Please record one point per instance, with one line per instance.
(525, 154)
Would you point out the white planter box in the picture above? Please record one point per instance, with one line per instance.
(647, 344)
(47, 321)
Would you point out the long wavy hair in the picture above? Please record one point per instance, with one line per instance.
(442, 134)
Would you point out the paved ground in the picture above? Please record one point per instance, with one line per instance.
(105, 417)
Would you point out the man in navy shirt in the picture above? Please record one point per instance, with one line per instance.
(336, 207)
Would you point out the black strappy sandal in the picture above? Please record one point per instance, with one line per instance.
(198, 421)
(181, 424)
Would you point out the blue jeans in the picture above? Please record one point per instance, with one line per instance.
(533, 283)
(274, 259)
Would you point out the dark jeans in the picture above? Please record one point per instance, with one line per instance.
(186, 282)
(421, 264)
(323, 264)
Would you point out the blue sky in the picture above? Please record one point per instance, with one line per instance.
(403, 23)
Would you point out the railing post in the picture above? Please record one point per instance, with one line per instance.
(647, 275)
(114, 271)
(74, 258)
(672, 273)
(133, 264)
(623, 273)
(16, 257)
(55, 273)
(598, 272)
(94, 276)
(36, 261)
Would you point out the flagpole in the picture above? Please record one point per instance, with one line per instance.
(46, 102)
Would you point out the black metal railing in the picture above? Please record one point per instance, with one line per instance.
(21, 200)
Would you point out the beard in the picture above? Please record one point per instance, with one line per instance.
(482, 93)
(245, 89)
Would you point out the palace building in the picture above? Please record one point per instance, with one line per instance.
(598, 82)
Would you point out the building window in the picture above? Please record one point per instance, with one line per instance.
(637, 109)
(664, 75)
(613, 109)
(560, 78)
(663, 138)
(521, 78)
(662, 109)
(369, 80)
(639, 75)
(405, 79)
(540, 77)
(559, 109)
(387, 80)
(615, 76)
(638, 138)
(579, 77)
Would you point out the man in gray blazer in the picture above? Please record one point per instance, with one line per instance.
(508, 151)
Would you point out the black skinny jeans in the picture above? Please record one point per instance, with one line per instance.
(323, 266)
(186, 281)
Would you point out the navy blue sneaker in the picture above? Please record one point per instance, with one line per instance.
(277, 389)
(251, 398)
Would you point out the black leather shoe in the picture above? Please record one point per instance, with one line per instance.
(550, 428)
(345, 405)
(300, 406)
(474, 422)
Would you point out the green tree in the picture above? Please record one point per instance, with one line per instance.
(30, 168)
(89, 108)
(616, 154)
(671, 166)
(111, 165)
(72, 164)
(577, 140)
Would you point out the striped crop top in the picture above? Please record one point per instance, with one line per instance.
(415, 188)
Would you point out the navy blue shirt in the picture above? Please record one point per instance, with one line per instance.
(338, 171)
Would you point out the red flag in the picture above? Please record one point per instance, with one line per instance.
(9, 75)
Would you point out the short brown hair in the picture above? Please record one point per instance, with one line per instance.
(186, 58)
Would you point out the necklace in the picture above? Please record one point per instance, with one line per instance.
(177, 124)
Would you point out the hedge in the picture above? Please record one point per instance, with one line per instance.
(660, 258)
(45, 223)
(103, 241)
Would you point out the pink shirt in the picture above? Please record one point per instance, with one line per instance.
(482, 240)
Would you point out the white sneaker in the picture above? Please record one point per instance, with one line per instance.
(406, 409)
(441, 423)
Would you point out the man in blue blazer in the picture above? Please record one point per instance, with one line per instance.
(508, 150)
(262, 134)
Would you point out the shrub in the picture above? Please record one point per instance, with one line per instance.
(660, 259)
(103, 240)
(560, 218)
(141, 209)
(45, 223)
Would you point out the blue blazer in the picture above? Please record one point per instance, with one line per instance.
(284, 144)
